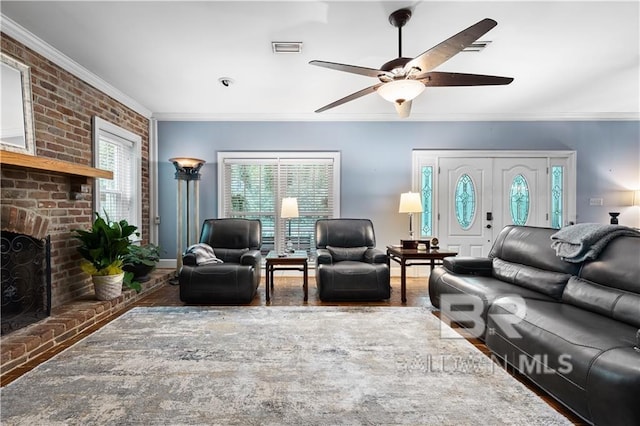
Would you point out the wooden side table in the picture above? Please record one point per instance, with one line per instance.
(420, 257)
(297, 261)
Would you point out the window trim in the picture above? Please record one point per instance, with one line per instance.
(277, 156)
(104, 127)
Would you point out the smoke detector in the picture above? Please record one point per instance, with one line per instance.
(226, 81)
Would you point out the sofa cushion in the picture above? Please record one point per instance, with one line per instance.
(613, 303)
(478, 288)
(557, 346)
(531, 246)
(546, 282)
(340, 254)
(618, 266)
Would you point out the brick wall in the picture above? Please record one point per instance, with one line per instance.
(63, 106)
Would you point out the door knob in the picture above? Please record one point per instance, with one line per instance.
(488, 226)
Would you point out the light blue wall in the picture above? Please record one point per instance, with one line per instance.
(376, 159)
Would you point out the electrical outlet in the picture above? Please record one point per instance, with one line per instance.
(595, 201)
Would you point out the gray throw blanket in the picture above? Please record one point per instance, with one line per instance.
(577, 243)
(204, 254)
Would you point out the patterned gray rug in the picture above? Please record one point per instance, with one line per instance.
(270, 366)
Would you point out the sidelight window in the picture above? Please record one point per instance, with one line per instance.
(427, 201)
(557, 198)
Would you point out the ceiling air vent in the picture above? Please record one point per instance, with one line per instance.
(286, 46)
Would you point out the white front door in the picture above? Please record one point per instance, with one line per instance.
(465, 194)
(520, 192)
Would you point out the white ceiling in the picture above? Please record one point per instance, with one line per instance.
(570, 60)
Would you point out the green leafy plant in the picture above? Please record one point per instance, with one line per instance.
(148, 254)
(130, 282)
(104, 245)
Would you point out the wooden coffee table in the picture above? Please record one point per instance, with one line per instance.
(410, 257)
(297, 261)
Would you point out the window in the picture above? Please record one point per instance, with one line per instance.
(465, 201)
(557, 197)
(252, 185)
(427, 201)
(519, 200)
(119, 151)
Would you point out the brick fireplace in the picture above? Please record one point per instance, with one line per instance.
(36, 200)
(25, 251)
(56, 200)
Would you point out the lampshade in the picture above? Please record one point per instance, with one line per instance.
(187, 168)
(410, 203)
(400, 91)
(636, 198)
(289, 208)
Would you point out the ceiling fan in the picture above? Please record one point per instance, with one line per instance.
(403, 79)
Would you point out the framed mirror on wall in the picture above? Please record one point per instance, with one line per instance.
(16, 112)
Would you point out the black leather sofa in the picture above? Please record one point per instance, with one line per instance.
(573, 329)
(234, 281)
(348, 266)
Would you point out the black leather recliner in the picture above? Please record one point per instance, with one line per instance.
(348, 266)
(237, 243)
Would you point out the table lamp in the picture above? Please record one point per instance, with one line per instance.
(289, 210)
(410, 203)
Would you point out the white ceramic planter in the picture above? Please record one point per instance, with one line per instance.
(107, 287)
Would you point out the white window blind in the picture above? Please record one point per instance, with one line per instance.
(117, 150)
(254, 187)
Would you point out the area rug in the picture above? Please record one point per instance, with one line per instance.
(272, 366)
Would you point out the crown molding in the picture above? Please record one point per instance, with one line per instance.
(175, 116)
(19, 33)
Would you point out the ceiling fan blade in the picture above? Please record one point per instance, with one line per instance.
(354, 69)
(435, 78)
(351, 97)
(450, 47)
(403, 109)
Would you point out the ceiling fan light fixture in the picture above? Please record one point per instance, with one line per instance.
(400, 91)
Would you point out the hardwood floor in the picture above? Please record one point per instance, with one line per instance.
(288, 292)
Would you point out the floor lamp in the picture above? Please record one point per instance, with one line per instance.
(411, 203)
(289, 210)
(188, 205)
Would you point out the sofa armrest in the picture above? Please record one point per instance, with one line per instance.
(189, 259)
(323, 257)
(467, 265)
(251, 258)
(374, 255)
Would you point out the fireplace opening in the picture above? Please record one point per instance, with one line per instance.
(26, 280)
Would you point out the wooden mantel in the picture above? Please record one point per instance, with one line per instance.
(52, 165)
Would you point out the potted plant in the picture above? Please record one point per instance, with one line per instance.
(102, 248)
(141, 261)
